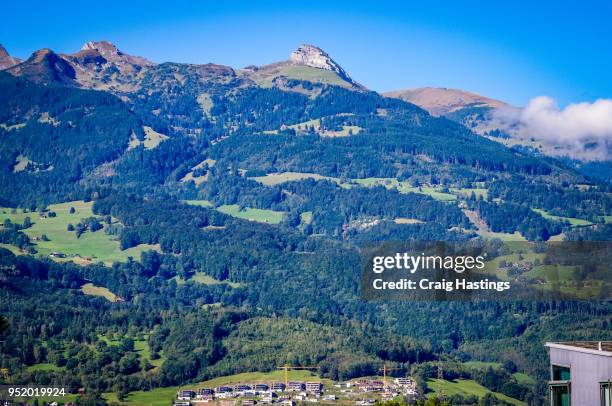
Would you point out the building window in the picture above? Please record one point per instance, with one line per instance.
(560, 373)
(560, 395)
(606, 393)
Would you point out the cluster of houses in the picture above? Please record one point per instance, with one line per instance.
(266, 393)
(287, 395)
(400, 386)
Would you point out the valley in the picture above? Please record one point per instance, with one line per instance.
(172, 226)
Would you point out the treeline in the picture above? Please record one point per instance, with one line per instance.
(66, 132)
(509, 218)
(561, 199)
(74, 336)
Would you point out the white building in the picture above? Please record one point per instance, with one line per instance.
(580, 373)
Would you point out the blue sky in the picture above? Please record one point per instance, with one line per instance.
(512, 51)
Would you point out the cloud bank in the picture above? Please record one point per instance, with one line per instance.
(581, 130)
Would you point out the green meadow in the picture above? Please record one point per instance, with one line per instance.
(141, 346)
(260, 215)
(405, 187)
(273, 179)
(89, 247)
(465, 387)
(165, 396)
(201, 277)
(93, 290)
(571, 220)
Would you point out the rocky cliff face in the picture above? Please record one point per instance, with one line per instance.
(101, 65)
(315, 57)
(112, 54)
(7, 61)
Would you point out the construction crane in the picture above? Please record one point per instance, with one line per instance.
(384, 370)
(287, 368)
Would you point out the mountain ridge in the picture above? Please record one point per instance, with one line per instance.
(441, 101)
(6, 60)
(102, 65)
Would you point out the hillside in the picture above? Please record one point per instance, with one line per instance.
(443, 101)
(223, 212)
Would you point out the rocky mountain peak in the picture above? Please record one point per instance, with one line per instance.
(315, 57)
(6, 60)
(103, 47)
(111, 53)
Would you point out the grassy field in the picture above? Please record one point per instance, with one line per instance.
(466, 387)
(260, 215)
(93, 290)
(164, 396)
(44, 367)
(405, 187)
(482, 364)
(516, 236)
(273, 179)
(199, 179)
(141, 346)
(90, 247)
(12, 248)
(551, 272)
(22, 163)
(345, 132)
(205, 102)
(306, 217)
(303, 126)
(404, 220)
(204, 279)
(484, 232)
(493, 266)
(572, 220)
(201, 203)
(152, 137)
(467, 192)
(301, 73)
(523, 378)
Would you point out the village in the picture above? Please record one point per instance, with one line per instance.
(362, 392)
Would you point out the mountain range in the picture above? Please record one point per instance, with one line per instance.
(168, 223)
(102, 66)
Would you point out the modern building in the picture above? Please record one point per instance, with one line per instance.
(296, 386)
(580, 373)
(261, 387)
(314, 387)
(185, 395)
(223, 389)
(205, 392)
(242, 388)
(277, 386)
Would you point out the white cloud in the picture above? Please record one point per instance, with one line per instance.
(581, 121)
(582, 129)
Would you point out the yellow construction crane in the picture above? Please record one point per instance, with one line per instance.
(384, 370)
(287, 368)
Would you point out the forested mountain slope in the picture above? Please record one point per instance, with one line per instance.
(256, 189)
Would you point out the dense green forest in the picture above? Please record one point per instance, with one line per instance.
(215, 294)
